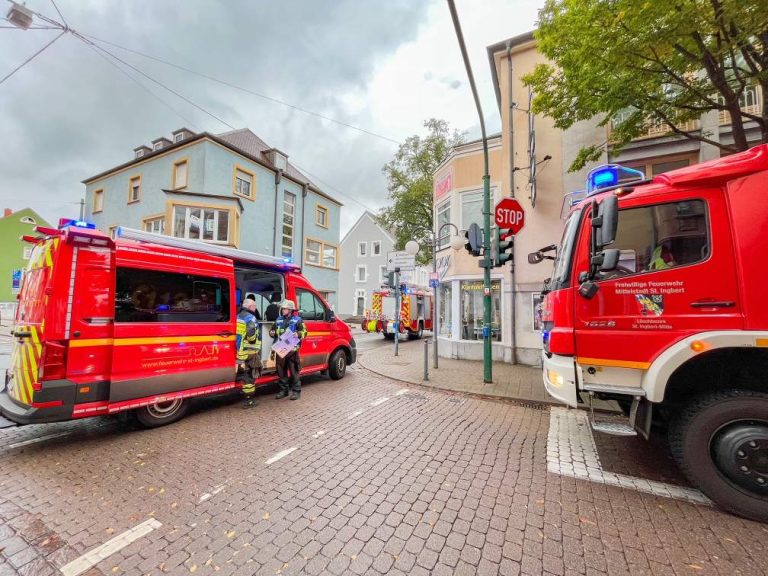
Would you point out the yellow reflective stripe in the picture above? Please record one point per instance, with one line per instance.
(318, 333)
(32, 363)
(614, 363)
(18, 385)
(48, 259)
(36, 341)
(143, 341)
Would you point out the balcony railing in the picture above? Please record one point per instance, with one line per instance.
(751, 101)
(653, 129)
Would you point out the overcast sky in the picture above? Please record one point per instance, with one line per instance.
(385, 66)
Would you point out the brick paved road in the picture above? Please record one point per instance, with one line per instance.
(422, 482)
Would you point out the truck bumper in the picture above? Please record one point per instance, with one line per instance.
(560, 378)
(24, 414)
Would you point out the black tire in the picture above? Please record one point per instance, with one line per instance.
(720, 442)
(337, 365)
(162, 413)
(417, 335)
(389, 336)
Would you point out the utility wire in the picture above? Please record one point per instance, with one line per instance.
(333, 188)
(28, 60)
(246, 90)
(60, 14)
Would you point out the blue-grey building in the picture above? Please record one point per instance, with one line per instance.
(230, 189)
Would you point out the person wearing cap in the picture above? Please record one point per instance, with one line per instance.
(289, 366)
(248, 350)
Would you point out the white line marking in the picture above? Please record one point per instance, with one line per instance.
(204, 497)
(90, 559)
(354, 414)
(216, 490)
(280, 455)
(401, 392)
(40, 439)
(318, 434)
(380, 401)
(571, 452)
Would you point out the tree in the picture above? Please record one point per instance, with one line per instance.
(409, 177)
(643, 62)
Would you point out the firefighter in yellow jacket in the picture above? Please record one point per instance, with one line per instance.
(248, 350)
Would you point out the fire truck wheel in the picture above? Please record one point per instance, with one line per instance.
(162, 413)
(720, 442)
(389, 336)
(418, 334)
(337, 366)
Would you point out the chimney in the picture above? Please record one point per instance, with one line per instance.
(7, 212)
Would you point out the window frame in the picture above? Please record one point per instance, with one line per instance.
(444, 206)
(377, 244)
(232, 221)
(359, 267)
(131, 180)
(235, 169)
(383, 273)
(320, 209)
(154, 218)
(176, 165)
(317, 299)
(364, 252)
(283, 246)
(98, 193)
(321, 253)
(479, 193)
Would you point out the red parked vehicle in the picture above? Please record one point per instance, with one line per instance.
(657, 301)
(147, 322)
(415, 312)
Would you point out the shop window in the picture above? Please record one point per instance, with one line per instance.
(471, 301)
(445, 309)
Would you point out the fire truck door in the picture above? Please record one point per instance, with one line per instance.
(315, 348)
(676, 277)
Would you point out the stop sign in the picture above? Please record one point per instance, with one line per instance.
(509, 214)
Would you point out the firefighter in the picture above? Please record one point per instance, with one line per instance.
(289, 366)
(248, 350)
(662, 257)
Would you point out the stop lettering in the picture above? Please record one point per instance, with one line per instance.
(509, 214)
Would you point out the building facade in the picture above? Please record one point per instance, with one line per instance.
(14, 255)
(230, 189)
(363, 268)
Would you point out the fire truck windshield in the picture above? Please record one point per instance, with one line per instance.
(561, 272)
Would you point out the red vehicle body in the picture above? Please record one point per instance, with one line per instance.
(107, 326)
(657, 300)
(416, 307)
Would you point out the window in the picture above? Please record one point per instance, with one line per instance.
(654, 238)
(155, 296)
(471, 300)
(158, 146)
(443, 217)
(98, 201)
(446, 305)
(134, 189)
(139, 152)
(310, 306)
(178, 137)
(243, 183)
(180, 174)
(362, 249)
(318, 253)
(27, 252)
(383, 273)
(376, 248)
(209, 224)
(155, 225)
(321, 216)
(471, 209)
(28, 220)
(112, 230)
(359, 302)
(361, 273)
(289, 214)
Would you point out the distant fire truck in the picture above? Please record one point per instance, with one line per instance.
(416, 305)
(657, 300)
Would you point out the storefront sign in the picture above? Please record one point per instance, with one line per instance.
(444, 185)
(443, 263)
(478, 285)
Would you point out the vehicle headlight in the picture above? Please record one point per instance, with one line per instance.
(555, 378)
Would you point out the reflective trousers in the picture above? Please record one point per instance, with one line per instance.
(288, 370)
(247, 372)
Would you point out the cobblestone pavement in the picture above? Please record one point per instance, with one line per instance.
(361, 476)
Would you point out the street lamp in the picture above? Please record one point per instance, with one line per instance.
(20, 16)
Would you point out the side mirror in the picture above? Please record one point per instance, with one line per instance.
(610, 260)
(535, 257)
(331, 316)
(608, 214)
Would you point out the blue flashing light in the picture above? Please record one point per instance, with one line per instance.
(66, 223)
(611, 175)
(288, 260)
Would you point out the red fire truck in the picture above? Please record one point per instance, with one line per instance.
(656, 301)
(145, 323)
(415, 312)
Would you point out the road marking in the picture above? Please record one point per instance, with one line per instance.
(401, 392)
(571, 452)
(208, 496)
(380, 401)
(90, 559)
(354, 414)
(318, 434)
(280, 455)
(40, 439)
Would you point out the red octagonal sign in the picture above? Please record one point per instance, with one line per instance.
(509, 214)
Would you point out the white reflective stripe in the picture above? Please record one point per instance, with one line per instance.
(71, 296)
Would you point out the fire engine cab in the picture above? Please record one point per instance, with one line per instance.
(146, 322)
(658, 301)
(415, 312)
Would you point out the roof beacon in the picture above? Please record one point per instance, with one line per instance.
(67, 222)
(611, 175)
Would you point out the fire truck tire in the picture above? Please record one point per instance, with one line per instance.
(389, 336)
(162, 413)
(418, 334)
(720, 442)
(337, 365)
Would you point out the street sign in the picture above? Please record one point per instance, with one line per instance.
(16, 281)
(401, 260)
(509, 214)
(434, 283)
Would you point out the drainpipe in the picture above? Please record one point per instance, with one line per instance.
(304, 191)
(513, 315)
(278, 179)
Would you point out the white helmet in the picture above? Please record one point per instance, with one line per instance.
(288, 305)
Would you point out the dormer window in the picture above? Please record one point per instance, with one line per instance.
(139, 153)
(178, 137)
(281, 162)
(28, 220)
(158, 145)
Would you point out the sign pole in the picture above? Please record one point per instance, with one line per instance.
(436, 311)
(397, 311)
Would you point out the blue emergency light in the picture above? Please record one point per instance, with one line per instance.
(287, 260)
(611, 175)
(68, 222)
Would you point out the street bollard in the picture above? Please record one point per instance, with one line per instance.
(426, 359)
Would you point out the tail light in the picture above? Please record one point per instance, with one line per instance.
(379, 326)
(54, 362)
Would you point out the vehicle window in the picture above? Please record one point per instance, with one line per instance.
(653, 238)
(562, 267)
(155, 296)
(310, 306)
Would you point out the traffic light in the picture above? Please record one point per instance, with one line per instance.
(474, 237)
(502, 247)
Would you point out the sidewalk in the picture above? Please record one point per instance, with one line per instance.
(511, 382)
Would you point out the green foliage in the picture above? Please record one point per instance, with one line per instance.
(409, 177)
(634, 63)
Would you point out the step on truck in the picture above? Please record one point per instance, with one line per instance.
(147, 322)
(658, 301)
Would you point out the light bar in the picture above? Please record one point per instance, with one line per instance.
(611, 175)
(199, 246)
(68, 222)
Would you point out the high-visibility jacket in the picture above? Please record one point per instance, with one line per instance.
(248, 336)
(294, 323)
(657, 260)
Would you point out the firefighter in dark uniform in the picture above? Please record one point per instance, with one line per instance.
(289, 367)
(248, 351)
